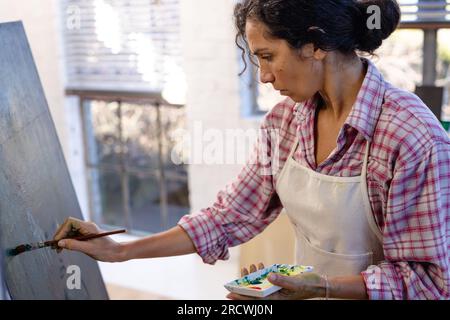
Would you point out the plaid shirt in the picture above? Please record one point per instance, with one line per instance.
(408, 179)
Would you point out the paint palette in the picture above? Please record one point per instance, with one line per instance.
(256, 284)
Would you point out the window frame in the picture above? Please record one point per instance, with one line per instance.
(144, 100)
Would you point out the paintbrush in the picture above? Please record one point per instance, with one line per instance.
(54, 243)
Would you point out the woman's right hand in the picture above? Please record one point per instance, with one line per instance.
(102, 249)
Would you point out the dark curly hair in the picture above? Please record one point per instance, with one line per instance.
(328, 24)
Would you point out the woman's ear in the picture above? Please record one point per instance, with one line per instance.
(309, 50)
(319, 54)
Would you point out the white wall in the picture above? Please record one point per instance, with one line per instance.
(42, 28)
(211, 65)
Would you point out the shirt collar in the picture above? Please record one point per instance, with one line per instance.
(365, 111)
(367, 107)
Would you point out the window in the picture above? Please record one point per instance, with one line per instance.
(425, 11)
(133, 180)
(124, 62)
(124, 44)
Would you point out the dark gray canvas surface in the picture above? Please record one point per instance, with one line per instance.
(36, 193)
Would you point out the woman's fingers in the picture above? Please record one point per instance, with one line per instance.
(69, 225)
(73, 225)
(244, 271)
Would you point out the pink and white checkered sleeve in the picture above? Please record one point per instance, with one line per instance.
(416, 231)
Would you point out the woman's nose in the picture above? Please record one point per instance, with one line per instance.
(266, 77)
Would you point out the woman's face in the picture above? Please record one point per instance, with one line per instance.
(296, 73)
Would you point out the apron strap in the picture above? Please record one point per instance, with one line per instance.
(294, 147)
(370, 216)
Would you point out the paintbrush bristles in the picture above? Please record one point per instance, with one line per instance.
(19, 249)
(26, 247)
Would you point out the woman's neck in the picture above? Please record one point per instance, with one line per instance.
(342, 81)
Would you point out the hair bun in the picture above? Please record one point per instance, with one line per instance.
(369, 35)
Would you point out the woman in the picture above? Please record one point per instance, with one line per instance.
(364, 176)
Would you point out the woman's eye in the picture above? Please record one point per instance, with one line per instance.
(267, 58)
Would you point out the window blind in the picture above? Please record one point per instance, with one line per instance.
(122, 44)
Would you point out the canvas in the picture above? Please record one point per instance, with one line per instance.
(36, 192)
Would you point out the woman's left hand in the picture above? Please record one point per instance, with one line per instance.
(303, 286)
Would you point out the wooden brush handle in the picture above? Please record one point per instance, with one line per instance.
(85, 237)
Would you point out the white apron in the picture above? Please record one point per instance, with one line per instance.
(335, 229)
